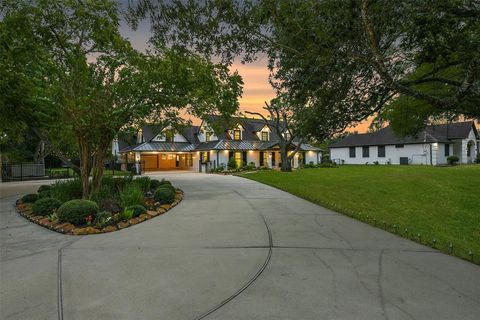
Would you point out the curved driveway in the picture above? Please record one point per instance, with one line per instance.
(211, 257)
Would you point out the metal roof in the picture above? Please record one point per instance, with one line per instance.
(164, 146)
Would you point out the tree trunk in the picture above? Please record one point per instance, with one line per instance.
(98, 167)
(84, 149)
(286, 164)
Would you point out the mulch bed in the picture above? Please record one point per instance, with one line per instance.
(68, 228)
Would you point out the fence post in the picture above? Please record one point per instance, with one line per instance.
(21, 171)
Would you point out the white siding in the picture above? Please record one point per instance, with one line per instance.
(203, 129)
(311, 156)
(416, 153)
(463, 155)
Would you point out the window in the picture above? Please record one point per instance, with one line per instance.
(205, 156)
(169, 136)
(208, 136)
(352, 152)
(237, 135)
(398, 146)
(365, 152)
(287, 135)
(381, 151)
(264, 135)
(447, 150)
(238, 158)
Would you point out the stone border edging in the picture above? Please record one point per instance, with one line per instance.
(68, 228)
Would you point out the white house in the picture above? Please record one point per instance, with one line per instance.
(210, 145)
(432, 146)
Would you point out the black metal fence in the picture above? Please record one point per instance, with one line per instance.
(37, 171)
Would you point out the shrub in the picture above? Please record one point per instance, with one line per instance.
(143, 183)
(452, 160)
(130, 195)
(107, 199)
(67, 190)
(477, 159)
(44, 187)
(127, 214)
(103, 219)
(137, 210)
(46, 206)
(217, 169)
(119, 183)
(154, 184)
(165, 182)
(76, 211)
(45, 194)
(164, 195)
(232, 164)
(248, 167)
(30, 198)
(168, 186)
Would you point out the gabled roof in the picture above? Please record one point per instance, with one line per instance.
(251, 127)
(386, 136)
(220, 125)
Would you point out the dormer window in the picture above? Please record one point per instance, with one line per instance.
(264, 136)
(208, 136)
(237, 134)
(287, 135)
(169, 135)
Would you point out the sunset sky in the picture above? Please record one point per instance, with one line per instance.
(256, 88)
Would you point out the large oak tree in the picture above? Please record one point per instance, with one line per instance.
(367, 51)
(84, 80)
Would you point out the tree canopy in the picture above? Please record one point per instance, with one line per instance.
(358, 56)
(84, 81)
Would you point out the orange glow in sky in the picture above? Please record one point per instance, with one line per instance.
(256, 88)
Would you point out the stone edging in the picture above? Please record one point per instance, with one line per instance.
(68, 228)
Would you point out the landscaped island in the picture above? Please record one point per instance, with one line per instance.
(435, 206)
(121, 202)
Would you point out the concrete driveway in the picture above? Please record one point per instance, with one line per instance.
(233, 249)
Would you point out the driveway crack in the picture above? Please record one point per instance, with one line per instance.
(254, 278)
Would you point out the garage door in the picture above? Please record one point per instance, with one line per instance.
(151, 161)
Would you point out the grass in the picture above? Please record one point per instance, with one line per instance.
(433, 202)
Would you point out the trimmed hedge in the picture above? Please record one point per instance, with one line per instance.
(75, 211)
(30, 198)
(44, 187)
(154, 184)
(46, 206)
(164, 195)
(167, 186)
(137, 210)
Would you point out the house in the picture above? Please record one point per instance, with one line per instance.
(432, 146)
(209, 146)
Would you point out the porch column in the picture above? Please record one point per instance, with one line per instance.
(137, 162)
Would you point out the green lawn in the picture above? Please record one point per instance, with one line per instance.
(441, 203)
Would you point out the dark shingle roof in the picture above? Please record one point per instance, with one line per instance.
(250, 140)
(386, 136)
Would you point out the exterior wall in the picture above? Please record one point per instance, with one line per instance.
(203, 129)
(264, 129)
(463, 153)
(441, 158)
(416, 153)
(311, 156)
(253, 156)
